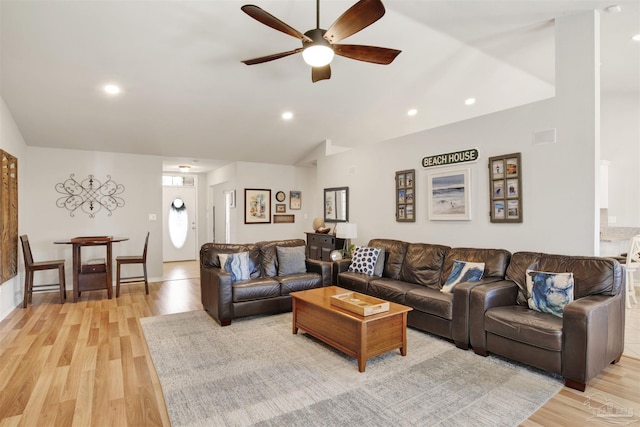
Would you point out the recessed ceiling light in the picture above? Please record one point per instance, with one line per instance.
(412, 112)
(636, 38)
(287, 115)
(112, 89)
(469, 101)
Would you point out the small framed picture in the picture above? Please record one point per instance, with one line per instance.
(498, 209)
(512, 167)
(409, 211)
(513, 209)
(281, 208)
(409, 179)
(408, 195)
(257, 206)
(401, 197)
(401, 212)
(498, 189)
(512, 188)
(295, 200)
(401, 181)
(497, 169)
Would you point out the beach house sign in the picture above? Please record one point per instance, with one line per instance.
(464, 156)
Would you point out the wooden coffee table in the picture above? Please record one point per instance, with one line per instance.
(362, 337)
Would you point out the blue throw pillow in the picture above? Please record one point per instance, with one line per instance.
(463, 271)
(239, 265)
(364, 260)
(549, 292)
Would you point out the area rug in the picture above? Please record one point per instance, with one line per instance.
(255, 372)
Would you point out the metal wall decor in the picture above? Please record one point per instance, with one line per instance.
(89, 195)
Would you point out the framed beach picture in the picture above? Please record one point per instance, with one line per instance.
(449, 195)
(257, 206)
(505, 181)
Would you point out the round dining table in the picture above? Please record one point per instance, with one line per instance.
(95, 274)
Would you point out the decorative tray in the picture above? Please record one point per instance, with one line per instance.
(361, 304)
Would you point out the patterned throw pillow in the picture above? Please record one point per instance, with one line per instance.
(549, 292)
(239, 265)
(291, 260)
(364, 260)
(463, 271)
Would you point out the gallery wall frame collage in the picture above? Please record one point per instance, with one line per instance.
(449, 192)
(258, 206)
(505, 184)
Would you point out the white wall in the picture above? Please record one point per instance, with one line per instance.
(559, 180)
(621, 146)
(45, 223)
(12, 142)
(244, 175)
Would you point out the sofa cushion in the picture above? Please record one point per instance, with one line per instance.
(591, 275)
(521, 324)
(299, 282)
(463, 271)
(291, 260)
(364, 260)
(423, 263)
(495, 261)
(255, 289)
(431, 301)
(549, 292)
(390, 289)
(394, 255)
(269, 260)
(355, 281)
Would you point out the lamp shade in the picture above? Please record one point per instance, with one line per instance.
(346, 230)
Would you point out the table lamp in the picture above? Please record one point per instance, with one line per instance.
(346, 231)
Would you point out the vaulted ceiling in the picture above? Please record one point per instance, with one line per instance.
(186, 95)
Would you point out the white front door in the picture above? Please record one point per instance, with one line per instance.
(179, 228)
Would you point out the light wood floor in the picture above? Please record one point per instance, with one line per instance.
(87, 364)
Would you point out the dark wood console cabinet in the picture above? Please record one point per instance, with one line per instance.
(319, 246)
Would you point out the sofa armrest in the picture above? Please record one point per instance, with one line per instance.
(593, 336)
(323, 268)
(217, 294)
(460, 320)
(482, 298)
(341, 266)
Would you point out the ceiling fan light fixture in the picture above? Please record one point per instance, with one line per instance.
(317, 55)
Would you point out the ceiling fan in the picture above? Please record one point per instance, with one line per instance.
(319, 46)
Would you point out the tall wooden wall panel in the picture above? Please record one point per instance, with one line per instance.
(8, 217)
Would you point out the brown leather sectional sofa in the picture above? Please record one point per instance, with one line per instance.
(493, 316)
(413, 275)
(579, 345)
(265, 291)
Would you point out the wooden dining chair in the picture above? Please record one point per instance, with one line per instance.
(133, 259)
(31, 267)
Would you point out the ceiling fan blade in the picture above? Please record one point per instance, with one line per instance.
(375, 54)
(357, 17)
(320, 73)
(271, 57)
(271, 21)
